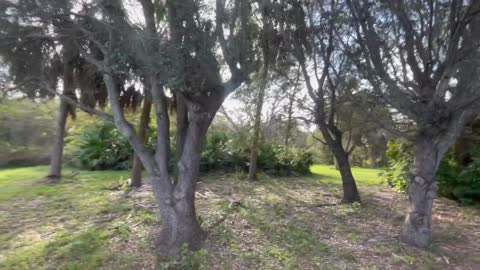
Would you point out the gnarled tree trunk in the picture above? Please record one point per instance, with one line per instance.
(179, 224)
(417, 229)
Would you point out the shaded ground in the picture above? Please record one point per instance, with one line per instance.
(284, 223)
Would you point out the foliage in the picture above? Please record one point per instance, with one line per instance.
(461, 184)
(103, 148)
(215, 152)
(466, 188)
(233, 155)
(453, 181)
(25, 132)
(400, 160)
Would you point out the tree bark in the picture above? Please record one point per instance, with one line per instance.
(182, 124)
(180, 224)
(253, 168)
(57, 151)
(142, 134)
(288, 131)
(333, 138)
(417, 229)
(56, 156)
(350, 191)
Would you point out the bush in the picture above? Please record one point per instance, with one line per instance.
(457, 183)
(453, 181)
(400, 161)
(26, 132)
(215, 152)
(104, 148)
(277, 160)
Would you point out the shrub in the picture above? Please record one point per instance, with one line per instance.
(104, 148)
(400, 161)
(467, 188)
(222, 153)
(215, 153)
(453, 181)
(26, 132)
(457, 183)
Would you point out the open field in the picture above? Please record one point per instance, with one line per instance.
(86, 222)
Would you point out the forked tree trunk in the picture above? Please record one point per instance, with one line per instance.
(179, 220)
(350, 191)
(417, 229)
(179, 225)
(142, 134)
(56, 155)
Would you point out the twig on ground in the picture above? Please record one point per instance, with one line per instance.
(317, 205)
(232, 207)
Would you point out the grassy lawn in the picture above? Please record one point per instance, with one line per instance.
(282, 223)
(363, 177)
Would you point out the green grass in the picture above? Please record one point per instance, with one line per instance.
(29, 183)
(67, 225)
(363, 177)
(80, 223)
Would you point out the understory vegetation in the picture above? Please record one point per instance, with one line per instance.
(88, 221)
(461, 183)
(102, 147)
(92, 144)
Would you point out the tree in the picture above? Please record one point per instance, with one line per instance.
(35, 66)
(313, 43)
(267, 59)
(56, 156)
(185, 62)
(420, 57)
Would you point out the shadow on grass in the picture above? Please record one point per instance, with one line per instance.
(36, 219)
(83, 250)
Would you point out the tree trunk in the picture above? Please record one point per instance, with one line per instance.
(142, 134)
(182, 124)
(288, 131)
(57, 151)
(417, 229)
(350, 191)
(65, 109)
(334, 142)
(180, 223)
(252, 169)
